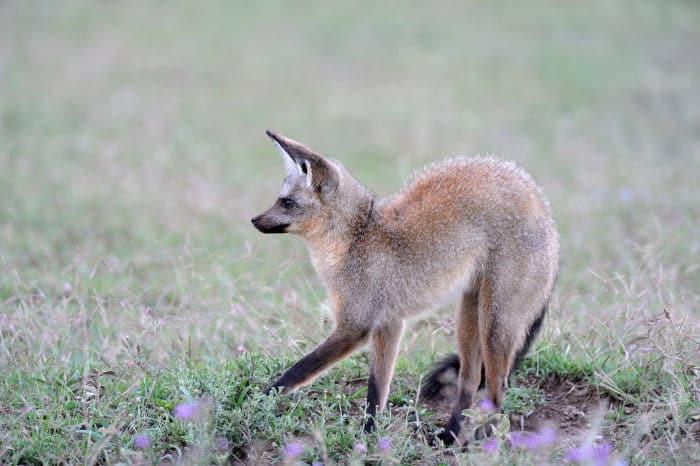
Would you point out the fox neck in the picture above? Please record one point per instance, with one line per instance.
(331, 246)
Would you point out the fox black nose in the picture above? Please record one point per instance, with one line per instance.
(255, 219)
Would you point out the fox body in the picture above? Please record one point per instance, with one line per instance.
(478, 227)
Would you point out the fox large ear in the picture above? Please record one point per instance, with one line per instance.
(289, 164)
(300, 160)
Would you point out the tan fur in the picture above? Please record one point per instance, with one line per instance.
(475, 226)
(385, 347)
(468, 344)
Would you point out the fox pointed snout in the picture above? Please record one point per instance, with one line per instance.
(265, 224)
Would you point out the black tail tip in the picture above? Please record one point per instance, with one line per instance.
(444, 373)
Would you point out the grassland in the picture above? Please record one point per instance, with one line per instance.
(132, 155)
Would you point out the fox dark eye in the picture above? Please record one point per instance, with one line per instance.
(287, 203)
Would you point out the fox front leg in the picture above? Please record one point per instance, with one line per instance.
(343, 341)
(385, 346)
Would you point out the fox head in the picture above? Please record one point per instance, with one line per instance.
(317, 194)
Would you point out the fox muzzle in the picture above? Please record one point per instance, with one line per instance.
(268, 227)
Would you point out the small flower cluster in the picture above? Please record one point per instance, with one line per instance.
(384, 444)
(185, 411)
(487, 405)
(142, 441)
(292, 451)
(597, 454)
(533, 441)
(523, 440)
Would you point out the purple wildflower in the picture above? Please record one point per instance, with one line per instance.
(142, 441)
(581, 454)
(487, 405)
(384, 444)
(532, 441)
(516, 440)
(490, 446)
(361, 448)
(599, 455)
(292, 451)
(602, 453)
(317, 463)
(544, 438)
(186, 410)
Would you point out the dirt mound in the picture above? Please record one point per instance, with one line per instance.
(566, 405)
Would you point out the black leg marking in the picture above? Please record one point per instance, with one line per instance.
(298, 372)
(454, 425)
(372, 403)
(337, 346)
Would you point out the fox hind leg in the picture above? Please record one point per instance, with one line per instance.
(470, 364)
(499, 338)
(491, 341)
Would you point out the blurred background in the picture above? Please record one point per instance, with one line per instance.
(133, 154)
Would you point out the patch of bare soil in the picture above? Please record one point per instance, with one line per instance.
(568, 405)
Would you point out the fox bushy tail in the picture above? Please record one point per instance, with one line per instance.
(445, 371)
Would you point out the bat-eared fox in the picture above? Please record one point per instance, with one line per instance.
(478, 227)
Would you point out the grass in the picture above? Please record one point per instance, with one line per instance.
(132, 155)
